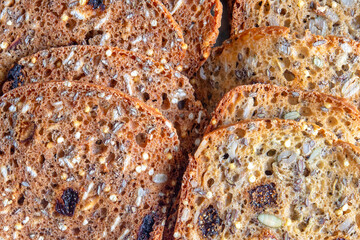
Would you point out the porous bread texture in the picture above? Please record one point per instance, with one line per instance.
(200, 21)
(338, 18)
(271, 179)
(274, 55)
(143, 26)
(269, 101)
(67, 141)
(156, 84)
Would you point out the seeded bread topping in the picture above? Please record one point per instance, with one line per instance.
(84, 161)
(270, 101)
(200, 21)
(245, 183)
(337, 18)
(30, 26)
(154, 83)
(273, 55)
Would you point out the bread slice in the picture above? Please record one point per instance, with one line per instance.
(270, 101)
(273, 55)
(200, 21)
(83, 161)
(271, 179)
(141, 26)
(156, 84)
(338, 18)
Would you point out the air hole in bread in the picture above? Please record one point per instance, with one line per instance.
(271, 152)
(70, 24)
(141, 140)
(268, 172)
(166, 102)
(332, 121)
(21, 199)
(306, 111)
(92, 34)
(146, 97)
(210, 182)
(289, 76)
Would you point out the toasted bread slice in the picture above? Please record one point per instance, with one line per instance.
(200, 21)
(270, 101)
(141, 26)
(338, 18)
(155, 84)
(274, 55)
(83, 161)
(271, 179)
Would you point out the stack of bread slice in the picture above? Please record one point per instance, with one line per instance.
(280, 156)
(98, 115)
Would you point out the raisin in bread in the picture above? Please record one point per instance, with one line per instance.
(270, 101)
(273, 55)
(200, 21)
(338, 18)
(157, 85)
(142, 26)
(266, 180)
(84, 161)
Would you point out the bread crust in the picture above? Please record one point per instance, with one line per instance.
(143, 26)
(204, 184)
(274, 55)
(156, 84)
(81, 160)
(270, 101)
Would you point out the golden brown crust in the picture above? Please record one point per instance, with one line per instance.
(221, 174)
(270, 101)
(142, 26)
(90, 161)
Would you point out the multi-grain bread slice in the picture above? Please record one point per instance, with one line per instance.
(270, 101)
(156, 84)
(200, 21)
(271, 179)
(273, 55)
(338, 18)
(143, 26)
(79, 161)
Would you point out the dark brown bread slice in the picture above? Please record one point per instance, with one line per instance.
(156, 84)
(266, 180)
(270, 101)
(200, 21)
(143, 26)
(79, 161)
(338, 18)
(274, 55)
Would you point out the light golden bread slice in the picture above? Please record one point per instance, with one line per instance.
(80, 161)
(156, 84)
(274, 55)
(144, 26)
(270, 101)
(271, 179)
(200, 21)
(338, 18)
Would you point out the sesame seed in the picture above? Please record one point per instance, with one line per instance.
(64, 17)
(102, 160)
(108, 52)
(145, 156)
(77, 135)
(18, 226)
(238, 225)
(113, 198)
(4, 45)
(209, 195)
(60, 140)
(252, 178)
(12, 108)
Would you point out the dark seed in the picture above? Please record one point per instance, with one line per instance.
(146, 227)
(181, 104)
(66, 206)
(15, 76)
(97, 4)
(264, 195)
(209, 222)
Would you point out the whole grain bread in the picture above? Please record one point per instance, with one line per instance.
(266, 180)
(270, 101)
(200, 21)
(80, 161)
(155, 84)
(146, 27)
(274, 55)
(338, 18)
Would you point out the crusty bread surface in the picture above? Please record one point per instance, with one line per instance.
(274, 55)
(271, 101)
(154, 83)
(271, 179)
(79, 161)
(147, 27)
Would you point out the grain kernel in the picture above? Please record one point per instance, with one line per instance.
(169, 156)
(107, 188)
(64, 17)
(18, 226)
(213, 122)
(113, 198)
(150, 52)
(184, 46)
(64, 176)
(287, 143)
(82, 2)
(81, 172)
(4, 45)
(108, 52)
(87, 109)
(252, 178)
(102, 160)
(209, 195)
(238, 225)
